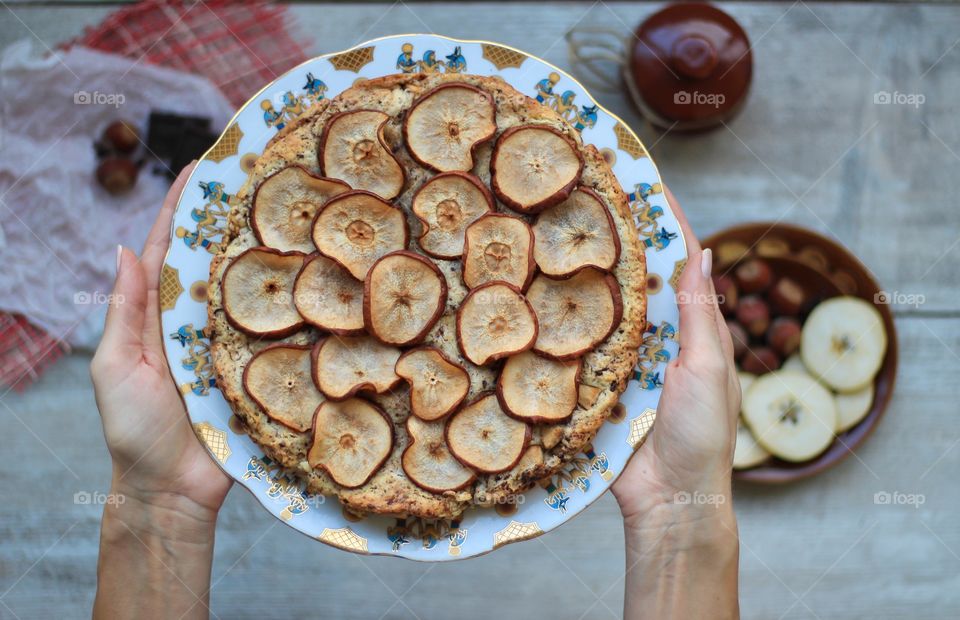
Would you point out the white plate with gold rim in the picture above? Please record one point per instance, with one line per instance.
(197, 229)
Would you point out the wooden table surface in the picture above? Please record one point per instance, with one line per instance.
(811, 148)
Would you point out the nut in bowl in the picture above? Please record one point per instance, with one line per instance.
(817, 352)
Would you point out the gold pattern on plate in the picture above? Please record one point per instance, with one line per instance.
(677, 272)
(344, 538)
(628, 142)
(215, 440)
(640, 426)
(515, 532)
(501, 57)
(354, 60)
(227, 144)
(170, 287)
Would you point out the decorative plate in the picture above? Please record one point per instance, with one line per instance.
(197, 230)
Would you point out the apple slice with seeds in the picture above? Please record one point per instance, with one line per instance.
(437, 385)
(495, 321)
(285, 204)
(484, 438)
(445, 125)
(353, 149)
(357, 228)
(345, 365)
(257, 289)
(577, 233)
(404, 294)
(351, 441)
(327, 296)
(446, 205)
(538, 390)
(576, 313)
(278, 379)
(428, 462)
(498, 247)
(534, 167)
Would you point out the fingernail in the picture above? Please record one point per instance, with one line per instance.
(119, 257)
(706, 262)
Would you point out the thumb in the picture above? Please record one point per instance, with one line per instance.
(698, 308)
(125, 316)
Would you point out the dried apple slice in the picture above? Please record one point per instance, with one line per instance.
(278, 380)
(428, 462)
(437, 385)
(404, 294)
(285, 204)
(258, 292)
(446, 124)
(495, 321)
(351, 441)
(326, 295)
(498, 247)
(345, 365)
(576, 313)
(484, 438)
(534, 167)
(538, 390)
(357, 228)
(577, 233)
(353, 149)
(446, 205)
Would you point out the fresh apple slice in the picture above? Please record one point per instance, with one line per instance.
(495, 321)
(747, 453)
(575, 314)
(345, 365)
(258, 292)
(446, 124)
(404, 294)
(353, 149)
(791, 415)
(498, 247)
(538, 390)
(853, 407)
(278, 380)
(437, 385)
(534, 167)
(792, 363)
(428, 462)
(285, 204)
(446, 205)
(351, 441)
(484, 438)
(577, 233)
(327, 296)
(843, 342)
(357, 228)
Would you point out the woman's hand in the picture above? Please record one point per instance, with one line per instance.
(681, 533)
(170, 487)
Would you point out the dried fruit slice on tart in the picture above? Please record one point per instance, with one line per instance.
(351, 441)
(404, 294)
(285, 204)
(534, 167)
(278, 379)
(498, 247)
(345, 365)
(577, 233)
(437, 385)
(537, 389)
(428, 462)
(446, 205)
(354, 150)
(327, 296)
(495, 321)
(258, 292)
(484, 438)
(445, 125)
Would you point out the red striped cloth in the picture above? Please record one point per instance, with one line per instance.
(239, 46)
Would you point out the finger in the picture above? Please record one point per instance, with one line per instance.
(693, 244)
(698, 308)
(123, 330)
(158, 240)
(726, 340)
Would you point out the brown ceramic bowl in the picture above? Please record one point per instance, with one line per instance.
(826, 269)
